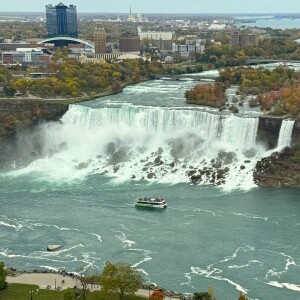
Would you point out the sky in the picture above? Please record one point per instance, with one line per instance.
(160, 6)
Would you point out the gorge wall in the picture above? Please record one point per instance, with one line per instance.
(281, 169)
(269, 130)
(17, 117)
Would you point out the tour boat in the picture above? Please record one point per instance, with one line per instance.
(53, 247)
(151, 202)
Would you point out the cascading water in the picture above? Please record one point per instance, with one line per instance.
(285, 134)
(164, 144)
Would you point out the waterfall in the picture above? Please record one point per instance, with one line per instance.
(240, 131)
(285, 134)
(164, 144)
(154, 119)
(237, 131)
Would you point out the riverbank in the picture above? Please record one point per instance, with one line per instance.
(62, 281)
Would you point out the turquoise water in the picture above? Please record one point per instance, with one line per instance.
(233, 238)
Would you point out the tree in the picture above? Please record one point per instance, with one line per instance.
(3, 273)
(157, 295)
(8, 90)
(120, 278)
(211, 293)
(202, 296)
(85, 280)
(69, 294)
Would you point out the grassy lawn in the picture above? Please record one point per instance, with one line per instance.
(22, 292)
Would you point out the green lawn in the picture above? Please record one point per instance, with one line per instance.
(22, 292)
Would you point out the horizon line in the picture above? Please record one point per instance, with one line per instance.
(163, 13)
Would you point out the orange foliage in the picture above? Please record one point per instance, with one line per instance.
(267, 100)
(290, 98)
(157, 295)
(287, 97)
(207, 94)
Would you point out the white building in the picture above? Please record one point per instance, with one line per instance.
(189, 46)
(156, 35)
(160, 39)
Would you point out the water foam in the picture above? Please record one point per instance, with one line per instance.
(128, 141)
(119, 139)
(290, 286)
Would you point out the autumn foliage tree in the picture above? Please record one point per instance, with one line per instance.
(157, 295)
(210, 94)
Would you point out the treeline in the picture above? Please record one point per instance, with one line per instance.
(258, 80)
(227, 55)
(73, 79)
(277, 90)
(23, 30)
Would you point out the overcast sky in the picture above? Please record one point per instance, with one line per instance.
(160, 6)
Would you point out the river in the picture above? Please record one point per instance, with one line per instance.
(231, 235)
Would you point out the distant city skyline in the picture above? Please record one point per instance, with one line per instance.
(160, 6)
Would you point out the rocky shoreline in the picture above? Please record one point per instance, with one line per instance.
(279, 170)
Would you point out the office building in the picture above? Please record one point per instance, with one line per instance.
(129, 42)
(31, 56)
(100, 39)
(243, 39)
(61, 20)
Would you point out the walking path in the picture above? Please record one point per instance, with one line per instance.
(61, 282)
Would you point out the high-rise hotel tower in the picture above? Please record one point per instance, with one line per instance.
(61, 20)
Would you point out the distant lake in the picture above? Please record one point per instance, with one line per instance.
(287, 23)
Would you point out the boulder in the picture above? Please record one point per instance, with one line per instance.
(110, 148)
(118, 156)
(150, 175)
(82, 165)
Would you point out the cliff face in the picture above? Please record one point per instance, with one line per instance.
(16, 114)
(268, 131)
(280, 169)
(18, 118)
(296, 133)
